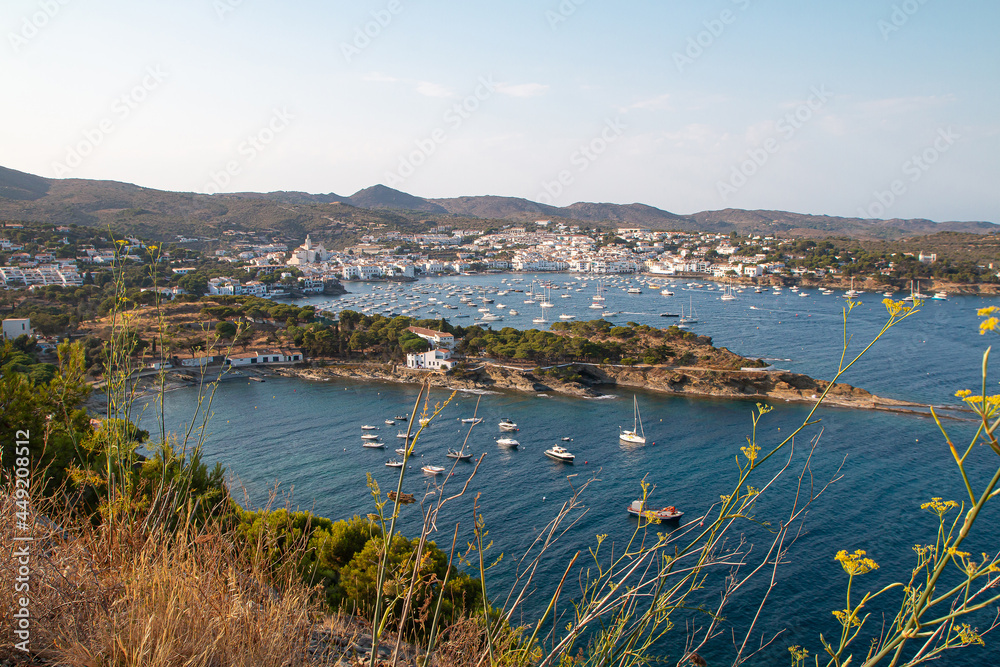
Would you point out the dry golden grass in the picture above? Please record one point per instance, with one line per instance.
(103, 597)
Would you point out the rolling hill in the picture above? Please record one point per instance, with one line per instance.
(163, 215)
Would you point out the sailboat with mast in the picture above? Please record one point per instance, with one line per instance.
(637, 436)
(597, 302)
(690, 318)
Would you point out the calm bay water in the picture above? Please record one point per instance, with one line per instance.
(306, 436)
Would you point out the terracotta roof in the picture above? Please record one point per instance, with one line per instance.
(429, 332)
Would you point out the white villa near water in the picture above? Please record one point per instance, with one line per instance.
(435, 338)
(432, 360)
(265, 357)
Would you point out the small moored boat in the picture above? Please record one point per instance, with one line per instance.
(368, 427)
(393, 463)
(460, 455)
(373, 444)
(507, 425)
(637, 436)
(636, 508)
(508, 442)
(433, 470)
(369, 436)
(559, 453)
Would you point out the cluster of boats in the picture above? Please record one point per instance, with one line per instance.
(634, 436)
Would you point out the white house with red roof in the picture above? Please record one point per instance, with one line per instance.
(435, 338)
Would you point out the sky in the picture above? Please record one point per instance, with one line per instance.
(859, 108)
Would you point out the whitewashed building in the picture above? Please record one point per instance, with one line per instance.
(435, 338)
(13, 328)
(432, 360)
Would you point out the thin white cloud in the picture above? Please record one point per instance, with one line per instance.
(379, 77)
(660, 102)
(425, 88)
(894, 105)
(430, 89)
(522, 89)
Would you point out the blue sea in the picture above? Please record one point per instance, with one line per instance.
(302, 438)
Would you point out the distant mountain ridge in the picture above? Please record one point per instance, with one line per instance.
(161, 214)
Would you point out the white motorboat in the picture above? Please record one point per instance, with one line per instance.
(637, 508)
(508, 442)
(560, 453)
(390, 422)
(369, 436)
(393, 463)
(633, 290)
(433, 470)
(402, 451)
(373, 444)
(667, 292)
(403, 435)
(564, 316)
(940, 296)
(460, 455)
(472, 420)
(367, 427)
(512, 312)
(637, 436)
(507, 425)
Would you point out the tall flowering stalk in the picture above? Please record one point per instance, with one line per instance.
(947, 584)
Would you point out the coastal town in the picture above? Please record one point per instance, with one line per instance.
(243, 263)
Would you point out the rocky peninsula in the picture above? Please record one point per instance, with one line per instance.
(597, 380)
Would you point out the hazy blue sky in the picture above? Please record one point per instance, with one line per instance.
(816, 107)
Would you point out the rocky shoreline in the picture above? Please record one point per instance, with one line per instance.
(593, 380)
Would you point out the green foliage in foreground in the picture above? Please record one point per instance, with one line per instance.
(343, 558)
(74, 460)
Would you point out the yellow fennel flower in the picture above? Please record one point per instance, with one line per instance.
(967, 636)
(751, 452)
(986, 312)
(939, 507)
(845, 617)
(856, 563)
(988, 325)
